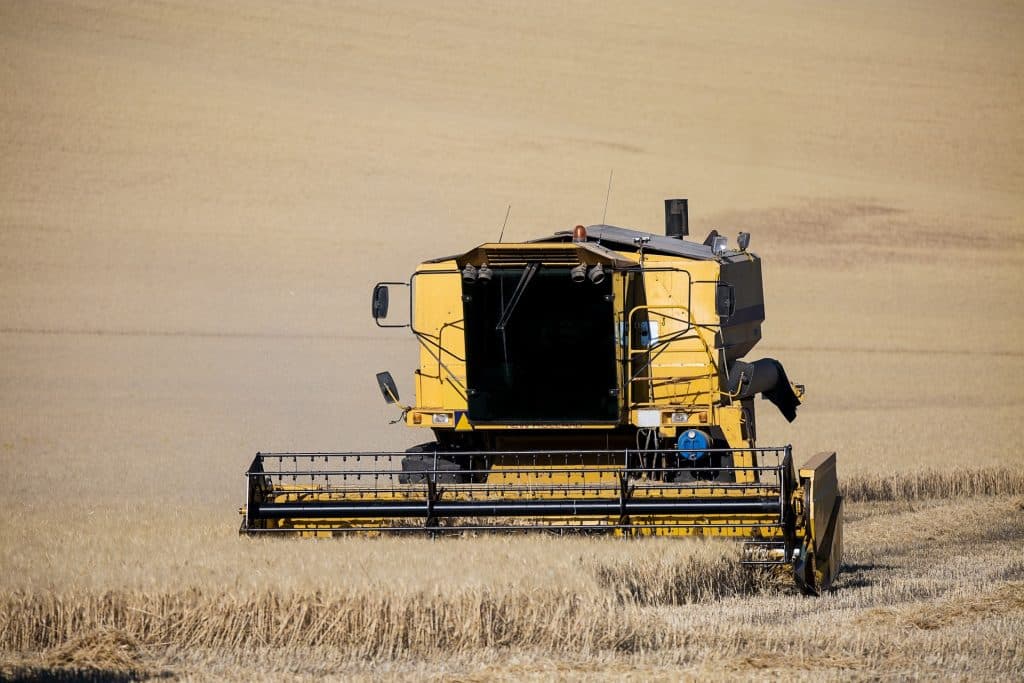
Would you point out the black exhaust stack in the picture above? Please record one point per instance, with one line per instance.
(677, 222)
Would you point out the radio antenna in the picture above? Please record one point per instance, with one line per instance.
(607, 194)
(507, 212)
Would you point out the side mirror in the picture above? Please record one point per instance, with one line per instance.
(387, 383)
(379, 305)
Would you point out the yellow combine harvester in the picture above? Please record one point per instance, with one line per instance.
(589, 381)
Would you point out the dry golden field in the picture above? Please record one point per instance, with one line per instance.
(195, 199)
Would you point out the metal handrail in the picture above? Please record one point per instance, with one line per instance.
(679, 335)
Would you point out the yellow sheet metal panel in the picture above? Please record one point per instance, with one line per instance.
(437, 316)
(750, 527)
(674, 360)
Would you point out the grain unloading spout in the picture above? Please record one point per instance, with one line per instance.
(768, 378)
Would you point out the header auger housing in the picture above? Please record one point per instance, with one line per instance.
(588, 381)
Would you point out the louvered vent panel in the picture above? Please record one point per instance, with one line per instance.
(498, 258)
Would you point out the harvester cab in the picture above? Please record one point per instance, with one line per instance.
(589, 381)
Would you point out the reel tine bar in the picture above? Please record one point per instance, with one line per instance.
(583, 490)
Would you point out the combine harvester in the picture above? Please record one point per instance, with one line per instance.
(590, 381)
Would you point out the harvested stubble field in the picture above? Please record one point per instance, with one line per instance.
(196, 198)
